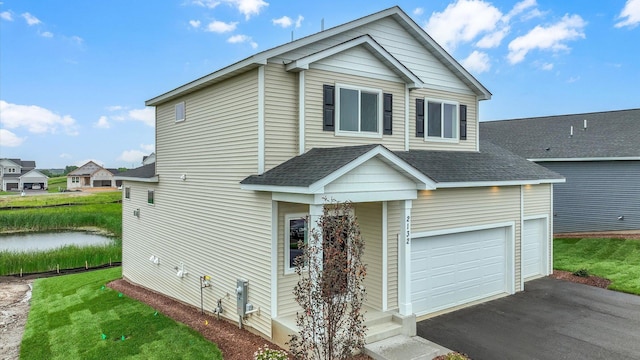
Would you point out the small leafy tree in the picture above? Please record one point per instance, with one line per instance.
(330, 288)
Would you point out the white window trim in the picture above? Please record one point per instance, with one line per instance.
(127, 191)
(287, 239)
(359, 133)
(184, 111)
(456, 137)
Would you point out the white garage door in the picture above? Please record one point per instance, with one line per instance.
(454, 269)
(533, 248)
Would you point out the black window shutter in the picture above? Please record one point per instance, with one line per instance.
(420, 118)
(387, 112)
(329, 108)
(463, 122)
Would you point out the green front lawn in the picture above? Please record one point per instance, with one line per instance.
(78, 317)
(615, 259)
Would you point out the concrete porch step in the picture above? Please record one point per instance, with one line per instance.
(382, 330)
(405, 348)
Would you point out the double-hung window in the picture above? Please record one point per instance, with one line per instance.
(359, 111)
(441, 119)
(151, 197)
(180, 111)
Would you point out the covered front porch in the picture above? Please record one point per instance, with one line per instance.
(381, 187)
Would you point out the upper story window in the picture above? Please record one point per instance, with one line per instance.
(358, 110)
(180, 111)
(442, 119)
(127, 192)
(150, 197)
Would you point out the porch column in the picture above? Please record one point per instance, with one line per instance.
(404, 261)
(315, 212)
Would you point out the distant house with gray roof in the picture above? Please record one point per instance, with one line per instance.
(599, 155)
(16, 174)
(92, 175)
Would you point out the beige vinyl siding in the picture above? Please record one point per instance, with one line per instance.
(395, 39)
(206, 221)
(416, 143)
(316, 137)
(537, 199)
(393, 233)
(281, 115)
(359, 61)
(369, 216)
(464, 207)
(286, 282)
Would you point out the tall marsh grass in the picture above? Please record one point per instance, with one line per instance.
(90, 211)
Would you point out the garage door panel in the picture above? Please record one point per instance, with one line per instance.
(453, 269)
(533, 248)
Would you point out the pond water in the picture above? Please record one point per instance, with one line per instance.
(26, 242)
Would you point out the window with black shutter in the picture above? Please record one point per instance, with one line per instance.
(463, 122)
(388, 114)
(420, 118)
(329, 108)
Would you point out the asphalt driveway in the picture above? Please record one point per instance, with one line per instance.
(551, 319)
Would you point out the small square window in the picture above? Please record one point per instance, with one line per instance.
(127, 192)
(180, 111)
(150, 197)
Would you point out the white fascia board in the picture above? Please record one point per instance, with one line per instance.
(374, 196)
(294, 198)
(423, 182)
(444, 185)
(410, 78)
(275, 188)
(621, 158)
(154, 179)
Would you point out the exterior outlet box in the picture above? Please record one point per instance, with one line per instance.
(242, 296)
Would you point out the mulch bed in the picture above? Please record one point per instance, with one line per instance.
(591, 280)
(235, 343)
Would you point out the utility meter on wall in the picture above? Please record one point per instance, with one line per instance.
(241, 296)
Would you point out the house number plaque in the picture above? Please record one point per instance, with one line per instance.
(408, 230)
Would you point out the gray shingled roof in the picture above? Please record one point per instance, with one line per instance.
(308, 168)
(142, 172)
(491, 164)
(608, 134)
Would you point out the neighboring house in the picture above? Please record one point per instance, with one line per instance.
(92, 175)
(598, 154)
(374, 112)
(151, 158)
(16, 174)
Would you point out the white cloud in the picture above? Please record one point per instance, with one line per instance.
(132, 156)
(553, 37)
(239, 39)
(462, 21)
(102, 123)
(114, 107)
(249, 7)
(547, 66)
(6, 15)
(35, 119)
(284, 21)
(246, 7)
(30, 19)
(147, 115)
(493, 39)
(477, 62)
(519, 8)
(630, 14)
(9, 139)
(418, 11)
(221, 27)
(65, 156)
(299, 21)
(573, 79)
(194, 23)
(46, 34)
(149, 148)
(77, 39)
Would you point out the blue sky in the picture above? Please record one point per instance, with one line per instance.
(74, 74)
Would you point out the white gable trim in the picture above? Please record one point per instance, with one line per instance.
(424, 182)
(34, 171)
(262, 57)
(376, 49)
